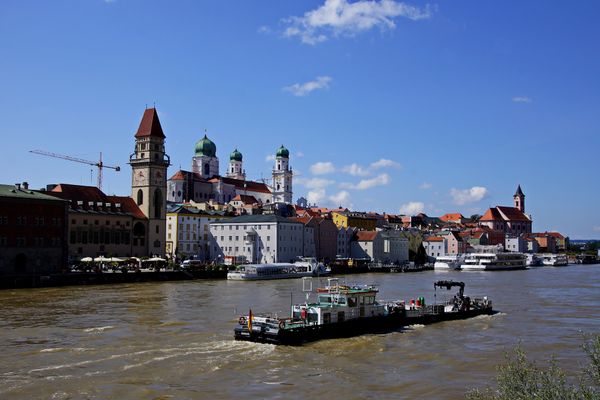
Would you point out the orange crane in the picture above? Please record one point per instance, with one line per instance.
(98, 163)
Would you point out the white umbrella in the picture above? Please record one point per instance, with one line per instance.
(101, 259)
(87, 259)
(156, 259)
(115, 259)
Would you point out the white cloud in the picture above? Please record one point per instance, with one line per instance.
(522, 99)
(425, 186)
(270, 157)
(304, 89)
(299, 154)
(356, 170)
(264, 29)
(379, 180)
(341, 199)
(314, 183)
(322, 168)
(342, 18)
(465, 196)
(316, 196)
(412, 208)
(384, 163)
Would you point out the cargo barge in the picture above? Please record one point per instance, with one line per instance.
(346, 311)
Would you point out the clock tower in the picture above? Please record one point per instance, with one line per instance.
(149, 165)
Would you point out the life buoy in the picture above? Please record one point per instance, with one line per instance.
(281, 324)
(303, 313)
(242, 321)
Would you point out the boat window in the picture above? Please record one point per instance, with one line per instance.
(324, 299)
(313, 317)
(352, 302)
(326, 318)
(341, 316)
(341, 300)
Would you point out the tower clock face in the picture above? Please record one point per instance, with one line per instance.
(139, 178)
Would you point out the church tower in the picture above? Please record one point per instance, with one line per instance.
(235, 166)
(282, 177)
(149, 180)
(519, 198)
(205, 161)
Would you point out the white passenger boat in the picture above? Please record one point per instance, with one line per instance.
(555, 260)
(533, 260)
(448, 262)
(494, 261)
(307, 266)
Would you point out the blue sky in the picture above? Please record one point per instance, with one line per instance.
(385, 105)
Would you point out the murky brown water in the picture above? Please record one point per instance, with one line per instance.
(174, 340)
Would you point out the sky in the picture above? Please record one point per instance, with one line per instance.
(387, 106)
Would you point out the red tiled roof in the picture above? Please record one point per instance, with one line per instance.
(182, 175)
(241, 184)
(78, 193)
(491, 215)
(452, 217)
(513, 213)
(245, 199)
(150, 125)
(434, 239)
(127, 205)
(366, 236)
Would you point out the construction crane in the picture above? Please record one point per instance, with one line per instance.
(98, 163)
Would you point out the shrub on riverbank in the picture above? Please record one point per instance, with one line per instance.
(521, 379)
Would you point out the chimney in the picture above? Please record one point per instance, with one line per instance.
(25, 186)
(18, 186)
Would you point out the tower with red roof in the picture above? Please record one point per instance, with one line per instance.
(149, 164)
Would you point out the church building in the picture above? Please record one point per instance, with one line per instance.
(510, 220)
(205, 183)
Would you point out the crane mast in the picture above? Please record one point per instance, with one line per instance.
(99, 164)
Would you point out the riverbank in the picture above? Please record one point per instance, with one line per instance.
(93, 278)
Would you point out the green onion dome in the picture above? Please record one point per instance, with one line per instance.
(236, 156)
(283, 152)
(206, 147)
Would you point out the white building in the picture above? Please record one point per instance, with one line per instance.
(260, 239)
(515, 244)
(435, 246)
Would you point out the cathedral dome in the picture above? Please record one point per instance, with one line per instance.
(206, 147)
(235, 156)
(283, 152)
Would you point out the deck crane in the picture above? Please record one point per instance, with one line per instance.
(98, 163)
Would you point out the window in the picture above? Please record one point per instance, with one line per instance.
(140, 195)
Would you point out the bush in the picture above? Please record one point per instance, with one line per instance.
(520, 379)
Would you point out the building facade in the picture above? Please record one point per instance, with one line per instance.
(259, 239)
(33, 231)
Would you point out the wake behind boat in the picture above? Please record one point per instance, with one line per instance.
(345, 311)
(306, 267)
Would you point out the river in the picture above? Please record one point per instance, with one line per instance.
(174, 339)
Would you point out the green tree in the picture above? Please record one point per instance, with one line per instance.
(521, 379)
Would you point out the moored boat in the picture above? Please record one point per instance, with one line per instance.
(345, 311)
(555, 260)
(494, 261)
(533, 260)
(307, 266)
(448, 262)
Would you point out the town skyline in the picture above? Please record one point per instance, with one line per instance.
(369, 123)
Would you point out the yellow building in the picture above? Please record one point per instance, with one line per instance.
(358, 220)
(188, 231)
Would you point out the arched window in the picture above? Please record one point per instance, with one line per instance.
(206, 169)
(158, 203)
(140, 197)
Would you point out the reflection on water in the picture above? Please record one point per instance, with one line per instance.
(174, 340)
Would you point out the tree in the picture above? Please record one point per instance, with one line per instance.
(520, 379)
(475, 218)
